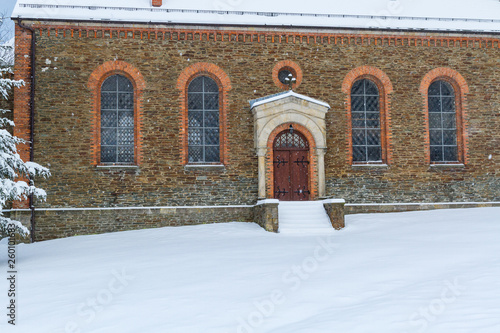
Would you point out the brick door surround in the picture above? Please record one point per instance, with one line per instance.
(275, 113)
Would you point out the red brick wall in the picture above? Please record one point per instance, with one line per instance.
(243, 62)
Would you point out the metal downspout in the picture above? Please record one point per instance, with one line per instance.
(32, 119)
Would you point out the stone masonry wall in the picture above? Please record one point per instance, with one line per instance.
(67, 56)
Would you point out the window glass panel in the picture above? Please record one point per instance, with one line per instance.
(126, 154)
(195, 118)
(195, 154)
(212, 119)
(436, 137)
(108, 154)
(370, 88)
(448, 104)
(365, 117)
(108, 101)
(212, 136)
(196, 85)
(108, 119)
(117, 120)
(434, 89)
(108, 136)
(203, 120)
(359, 153)
(124, 84)
(357, 88)
(212, 154)
(434, 104)
(195, 136)
(449, 120)
(372, 103)
(125, 136)
(450, 154)
(437, 153)
(211, 101)
(442, 122)
(195, 101)
(374, 153)
(357, 103)
(125, 101)
(449, 137)
(358, 137)
(373, 137)
(446, 89)
(109, 84)
(210, 85)
(126, 119)
(435, 120)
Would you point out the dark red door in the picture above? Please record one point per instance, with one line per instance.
(291, 166)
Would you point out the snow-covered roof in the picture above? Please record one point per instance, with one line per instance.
(284, 94)
(453, 15)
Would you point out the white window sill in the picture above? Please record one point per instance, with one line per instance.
(117, 166)
(450, 165)
(369, 165)
(204, 166)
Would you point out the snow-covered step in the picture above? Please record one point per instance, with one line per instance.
(302, 217)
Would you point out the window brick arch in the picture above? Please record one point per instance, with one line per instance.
(384, 86)
(461, 89)
(97, 77)
(220, 77)
(291, 67)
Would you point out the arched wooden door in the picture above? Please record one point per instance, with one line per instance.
(291, 166)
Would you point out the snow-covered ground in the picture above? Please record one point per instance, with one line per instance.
(433, 271)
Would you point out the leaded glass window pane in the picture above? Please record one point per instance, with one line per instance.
(442, 122)
(117, 120)
(365, 117)
(203, 121)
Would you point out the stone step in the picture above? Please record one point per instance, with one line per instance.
(303, 217)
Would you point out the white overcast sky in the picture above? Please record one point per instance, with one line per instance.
(6, 7)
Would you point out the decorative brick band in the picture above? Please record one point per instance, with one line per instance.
(313, 161)
(293, 68)
(21, 114)
(385, 88)
(96, 79)
(264, 36)
(461, 90)
(216, 73)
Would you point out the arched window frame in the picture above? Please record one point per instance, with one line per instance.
(98, 76)
(460, 88)
(185, 78)
(384, 85)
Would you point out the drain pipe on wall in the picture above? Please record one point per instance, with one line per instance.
(32, 119)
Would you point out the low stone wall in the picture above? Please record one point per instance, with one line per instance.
(266, 214)
(335, 210)
(59, 223)
(405, 207)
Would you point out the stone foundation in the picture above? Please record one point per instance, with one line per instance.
(335, 210)
(266, 214)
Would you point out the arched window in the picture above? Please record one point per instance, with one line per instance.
(365, 121)
(442, 122)
(117, 121)
(203, 121)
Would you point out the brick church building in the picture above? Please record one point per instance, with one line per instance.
(152, 113)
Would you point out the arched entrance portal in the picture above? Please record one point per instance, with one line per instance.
(291, 166)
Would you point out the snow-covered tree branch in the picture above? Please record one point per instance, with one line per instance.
(14, 172)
